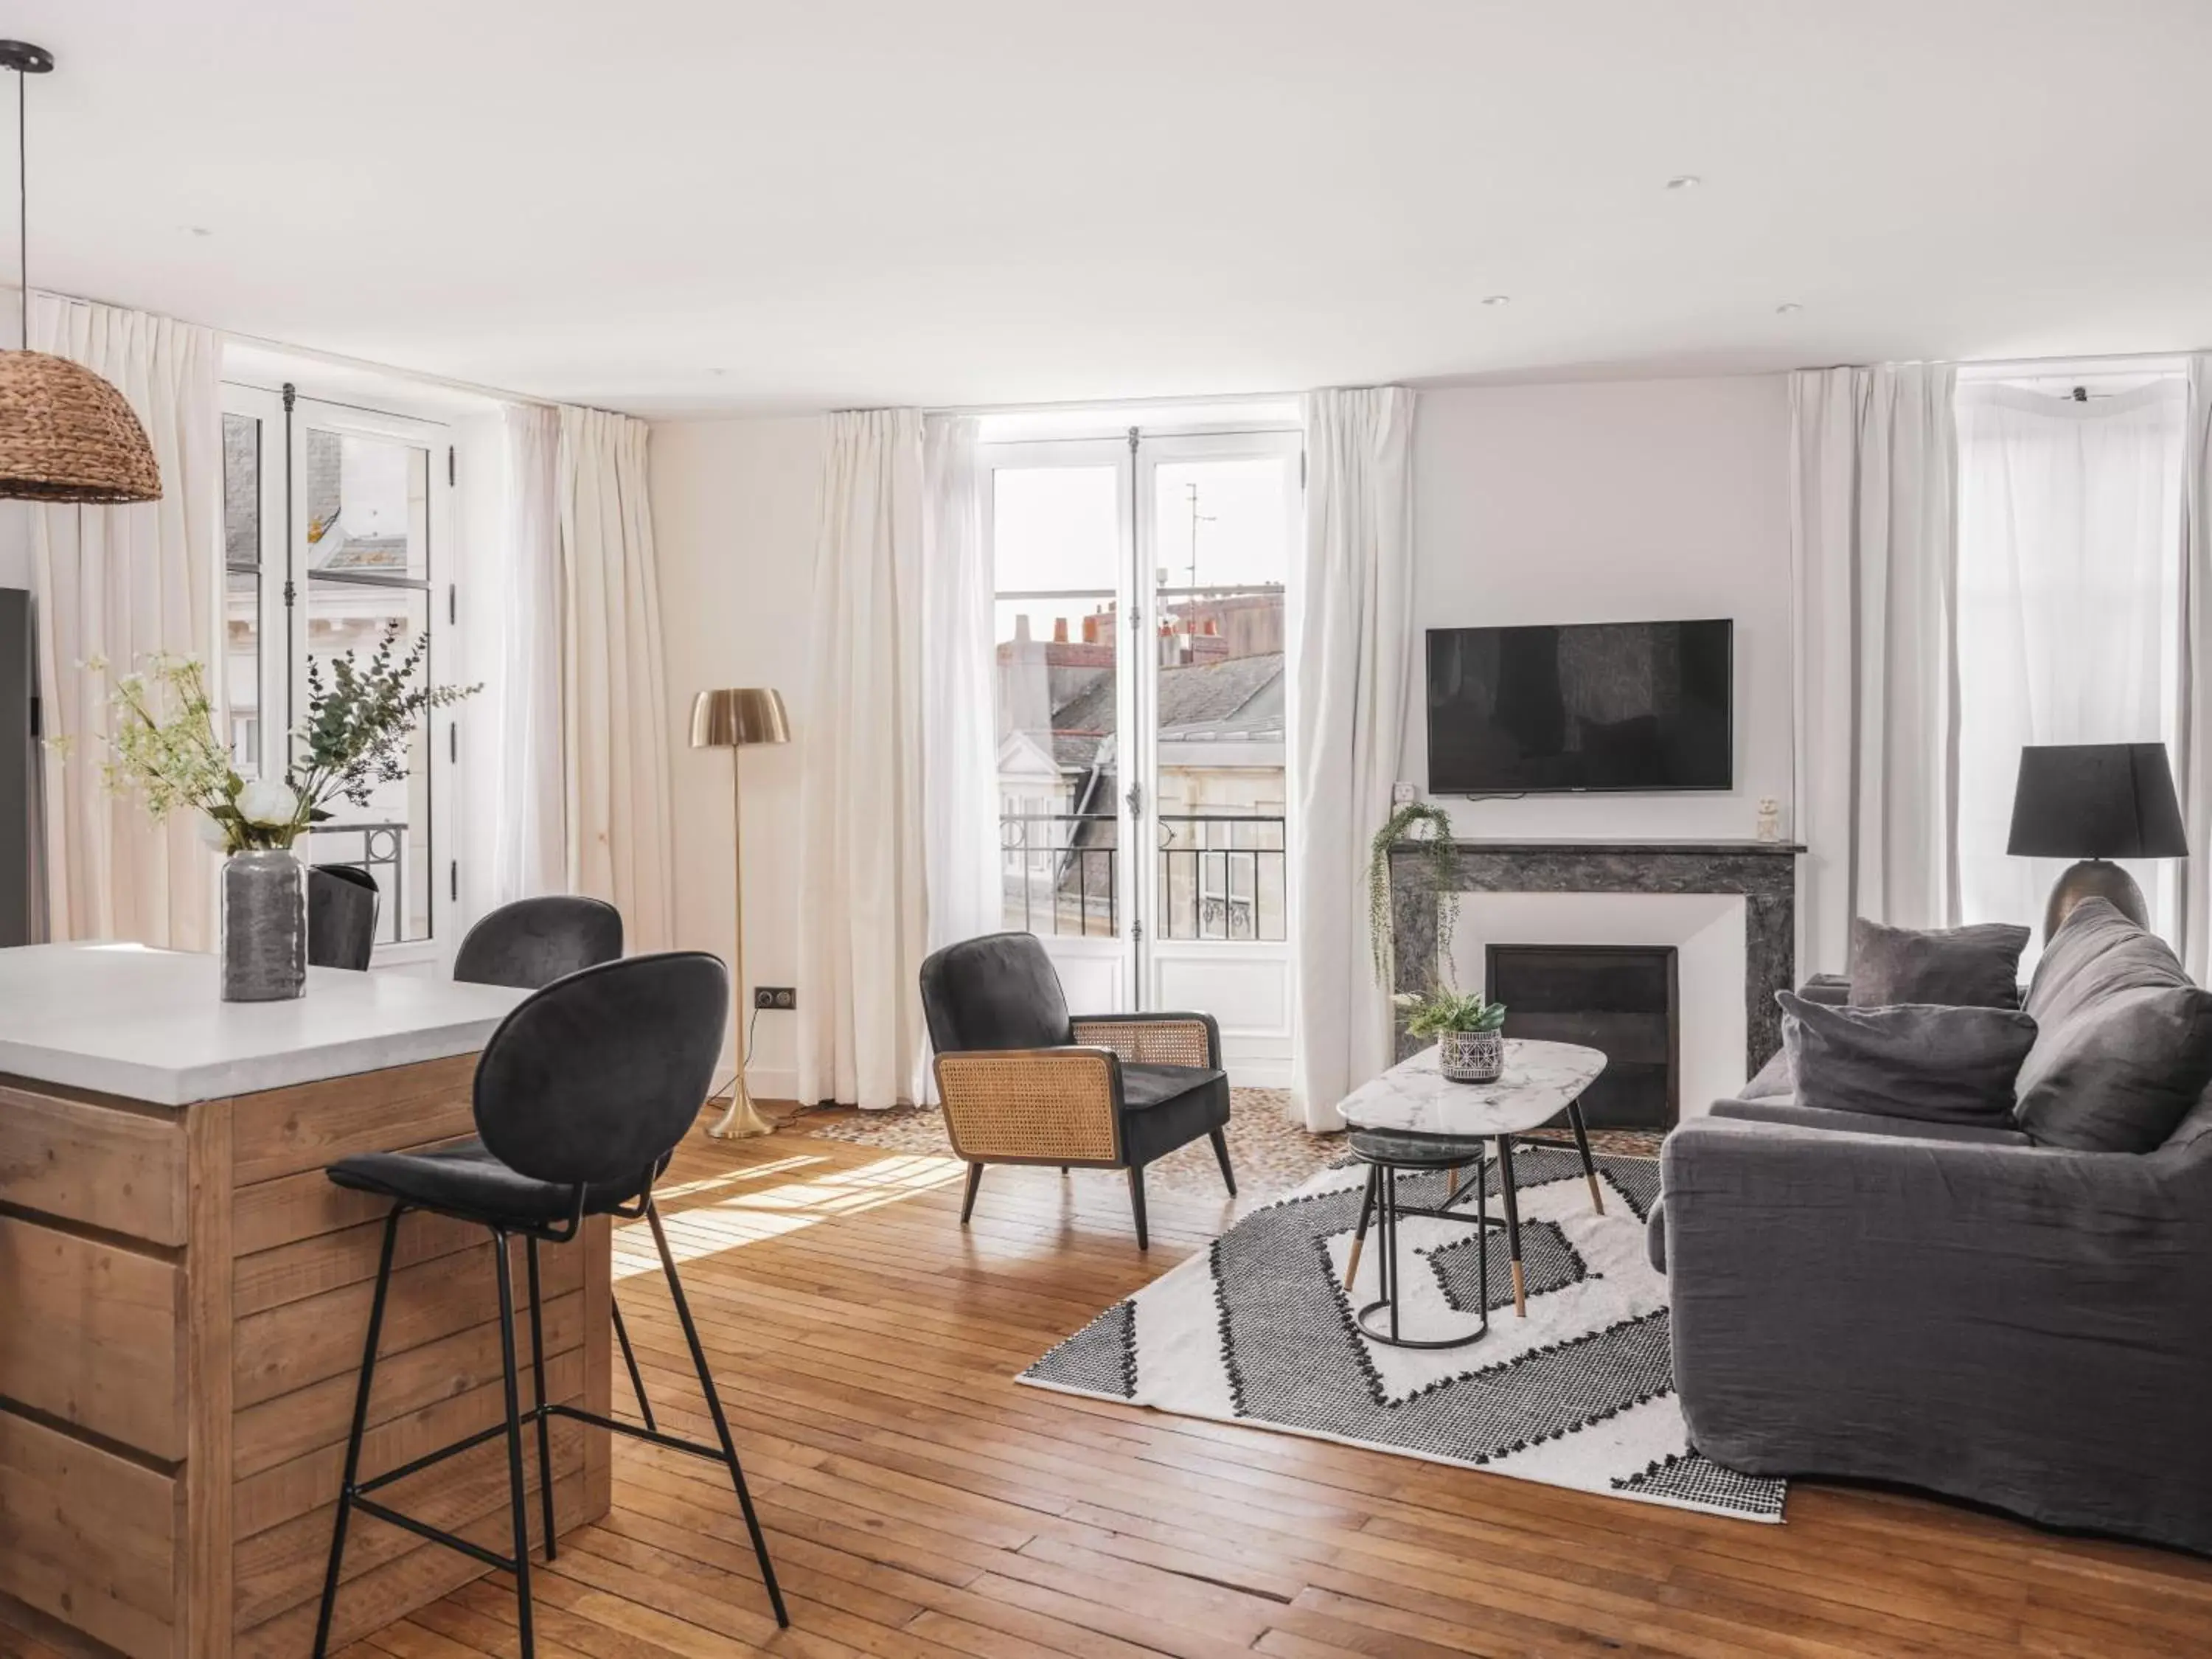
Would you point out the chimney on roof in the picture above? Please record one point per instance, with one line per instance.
(1212, 627)
(1090, 628)
(1060, 631)
(1022, 629)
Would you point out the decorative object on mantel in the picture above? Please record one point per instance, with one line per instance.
(736, 719)
(1469, 1031)
(1768, 826)
(164, 749)
(2095, 802)
(65, 434)
(1439, 868)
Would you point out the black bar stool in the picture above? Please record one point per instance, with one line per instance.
(528, 944)
(581, 1095)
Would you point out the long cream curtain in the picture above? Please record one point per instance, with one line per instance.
(615, 719)
(529, 846)
(120, 583)
(1874, 532)
(1354, 655)
(2193, 751)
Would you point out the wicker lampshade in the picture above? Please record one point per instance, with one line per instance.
(68, 435)
(739, 719)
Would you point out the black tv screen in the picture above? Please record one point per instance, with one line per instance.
(1589, 706)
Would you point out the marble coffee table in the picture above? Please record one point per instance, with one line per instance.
(1413, 1117)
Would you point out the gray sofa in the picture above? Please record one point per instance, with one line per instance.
(1950, 1308)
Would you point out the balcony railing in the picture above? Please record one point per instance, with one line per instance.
(1223, 876)
(381, 849)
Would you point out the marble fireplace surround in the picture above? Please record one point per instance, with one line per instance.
(1764, 873)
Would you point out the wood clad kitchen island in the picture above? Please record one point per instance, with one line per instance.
(183, 1296)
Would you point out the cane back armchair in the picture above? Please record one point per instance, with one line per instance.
(1023, 1081)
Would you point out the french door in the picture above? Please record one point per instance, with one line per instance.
(337, 534)
(1142, 618)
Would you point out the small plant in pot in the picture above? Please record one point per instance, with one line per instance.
(1469, 1031)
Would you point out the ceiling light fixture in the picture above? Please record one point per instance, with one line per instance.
(1497, 298)
(65, 433)
(1684, 181)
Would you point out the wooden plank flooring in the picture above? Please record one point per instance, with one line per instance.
(920, 1503)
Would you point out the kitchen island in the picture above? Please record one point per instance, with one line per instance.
(184, 1295)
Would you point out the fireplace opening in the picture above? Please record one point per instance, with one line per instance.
(1621, 999)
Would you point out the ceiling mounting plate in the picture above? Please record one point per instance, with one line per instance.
(22, 55)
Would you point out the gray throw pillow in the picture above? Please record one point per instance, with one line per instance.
(2123, 1045)
(1935, 1065)
(1975, 966)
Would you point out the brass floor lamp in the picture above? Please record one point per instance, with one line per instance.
(736, 721)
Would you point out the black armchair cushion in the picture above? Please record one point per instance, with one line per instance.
(996, 992)
(1164, 1107)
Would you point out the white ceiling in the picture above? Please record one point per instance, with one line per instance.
(682, 206)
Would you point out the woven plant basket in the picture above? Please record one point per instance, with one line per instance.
(68, 435)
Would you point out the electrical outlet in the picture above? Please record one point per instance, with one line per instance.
(776, 998)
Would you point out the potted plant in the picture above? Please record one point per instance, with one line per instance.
(164, 749)
(1439, 867)
(1469, 1031)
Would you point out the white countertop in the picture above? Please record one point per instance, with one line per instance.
(149, 1024)
(1415, 1097)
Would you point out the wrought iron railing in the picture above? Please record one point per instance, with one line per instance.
(382, 849)
(1223, 875)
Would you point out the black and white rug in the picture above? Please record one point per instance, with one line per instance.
(1259, 1329)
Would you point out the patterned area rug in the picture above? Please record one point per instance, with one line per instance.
(1270, 1152)
(1581, 1394)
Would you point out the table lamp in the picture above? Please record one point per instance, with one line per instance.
(736, 721)
(2094, 802)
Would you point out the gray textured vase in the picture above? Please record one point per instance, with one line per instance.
(264, 927)
(1472, 1056)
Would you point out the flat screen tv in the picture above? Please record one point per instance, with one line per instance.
(1644, 706)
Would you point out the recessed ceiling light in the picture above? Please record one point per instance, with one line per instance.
(1497, 298)
(1786, 308)
(1684, 181)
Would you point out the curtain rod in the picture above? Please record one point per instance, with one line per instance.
(1083, 405)
(340, 360)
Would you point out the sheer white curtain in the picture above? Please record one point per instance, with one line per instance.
(960, 764)
(2070, 607)
(863, 924)
(615, 729)
(1353, 655)
(2193, 758)
(898, 803)
(1872, 478)
(529, 855)
(119, 583)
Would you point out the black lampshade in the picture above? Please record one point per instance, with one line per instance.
(2096, 801)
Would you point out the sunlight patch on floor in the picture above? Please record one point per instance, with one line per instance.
(725, 1211)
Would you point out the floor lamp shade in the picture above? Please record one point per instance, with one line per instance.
(2096, 802)
(737, 719)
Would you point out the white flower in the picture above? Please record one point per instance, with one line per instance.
(267, 801)
(211, 833)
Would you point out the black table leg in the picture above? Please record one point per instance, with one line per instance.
(1582, 1143)
(1512, 1221)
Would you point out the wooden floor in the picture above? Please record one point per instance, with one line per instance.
(919, 1502)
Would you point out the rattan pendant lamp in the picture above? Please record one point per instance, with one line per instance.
(65, 433)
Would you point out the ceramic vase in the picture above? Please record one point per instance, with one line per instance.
(264, 927)
(1472, 1056)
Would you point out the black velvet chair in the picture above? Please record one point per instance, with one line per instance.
(534, 941)
(581, 1095)
(1024, 1082)
(342, 906)
(528, 944)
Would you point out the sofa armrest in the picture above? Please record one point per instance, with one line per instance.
(1033, 1105)
(1155, 1039)
(1784, 1109)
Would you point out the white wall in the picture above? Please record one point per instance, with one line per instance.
(1611, 502)
(1623, 501)
(734, 520)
